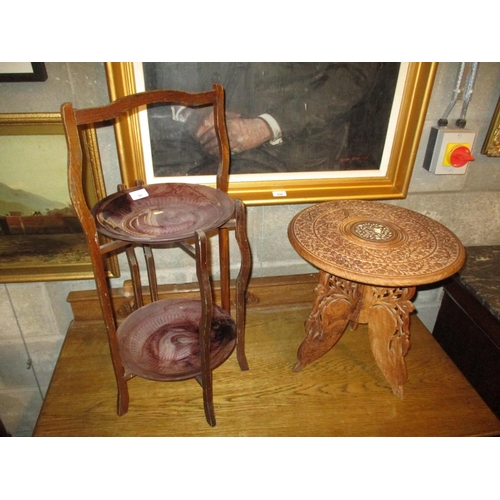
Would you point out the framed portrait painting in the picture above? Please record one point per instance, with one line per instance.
(330, 130)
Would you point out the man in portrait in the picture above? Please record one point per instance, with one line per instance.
(281, 117)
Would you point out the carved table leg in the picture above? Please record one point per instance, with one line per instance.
(337, 303)
(388, 314)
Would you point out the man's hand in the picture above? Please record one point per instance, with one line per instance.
(244, 133)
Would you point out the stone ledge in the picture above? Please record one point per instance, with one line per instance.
(268, 292)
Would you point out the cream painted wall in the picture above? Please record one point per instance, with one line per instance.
(35, 316)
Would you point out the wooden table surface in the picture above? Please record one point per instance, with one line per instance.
(375, 243)
(342, 394)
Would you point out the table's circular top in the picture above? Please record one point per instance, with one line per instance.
(375, 243)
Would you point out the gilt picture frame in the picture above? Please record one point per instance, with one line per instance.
(40, 236)
(403, 134)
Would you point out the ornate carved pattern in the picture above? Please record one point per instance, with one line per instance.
(373, 231)
(389, 331)
(376, 253)
(385, 309)
(337, 302)
(331, 291)
(376, 243)
(397, 303)
(126, 308)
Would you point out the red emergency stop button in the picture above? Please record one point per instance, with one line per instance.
(460, 156)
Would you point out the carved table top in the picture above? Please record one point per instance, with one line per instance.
(375, 243)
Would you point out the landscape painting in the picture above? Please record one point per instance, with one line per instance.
(40, 236)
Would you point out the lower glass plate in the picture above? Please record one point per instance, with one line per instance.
(160, 341)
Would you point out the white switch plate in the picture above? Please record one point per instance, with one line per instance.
(439, 139)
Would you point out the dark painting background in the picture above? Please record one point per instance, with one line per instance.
(333, 116)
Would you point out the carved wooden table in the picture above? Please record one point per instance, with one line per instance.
(371, 257)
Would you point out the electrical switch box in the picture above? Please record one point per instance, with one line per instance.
(449, 150)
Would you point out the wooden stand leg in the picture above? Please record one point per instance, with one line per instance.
(136, 277)
(388, 313)
(224, 269)
(123, 397)
(109, 321)
(337, 303)
(242, 282)
(205, 379)
(151, 268)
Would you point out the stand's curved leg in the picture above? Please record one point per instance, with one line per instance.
(242, 282)
(109, 321)
(123, 397)
(151, 268)
(336, 304)
(136, 277)
(205, 325)
(389, 332)
(224, 269)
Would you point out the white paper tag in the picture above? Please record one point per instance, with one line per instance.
(140, 193)
(279, 193)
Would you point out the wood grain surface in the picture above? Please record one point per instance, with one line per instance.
(342, 394)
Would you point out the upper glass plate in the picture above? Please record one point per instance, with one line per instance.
(162, 213)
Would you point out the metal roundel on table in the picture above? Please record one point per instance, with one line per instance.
(371, 256)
